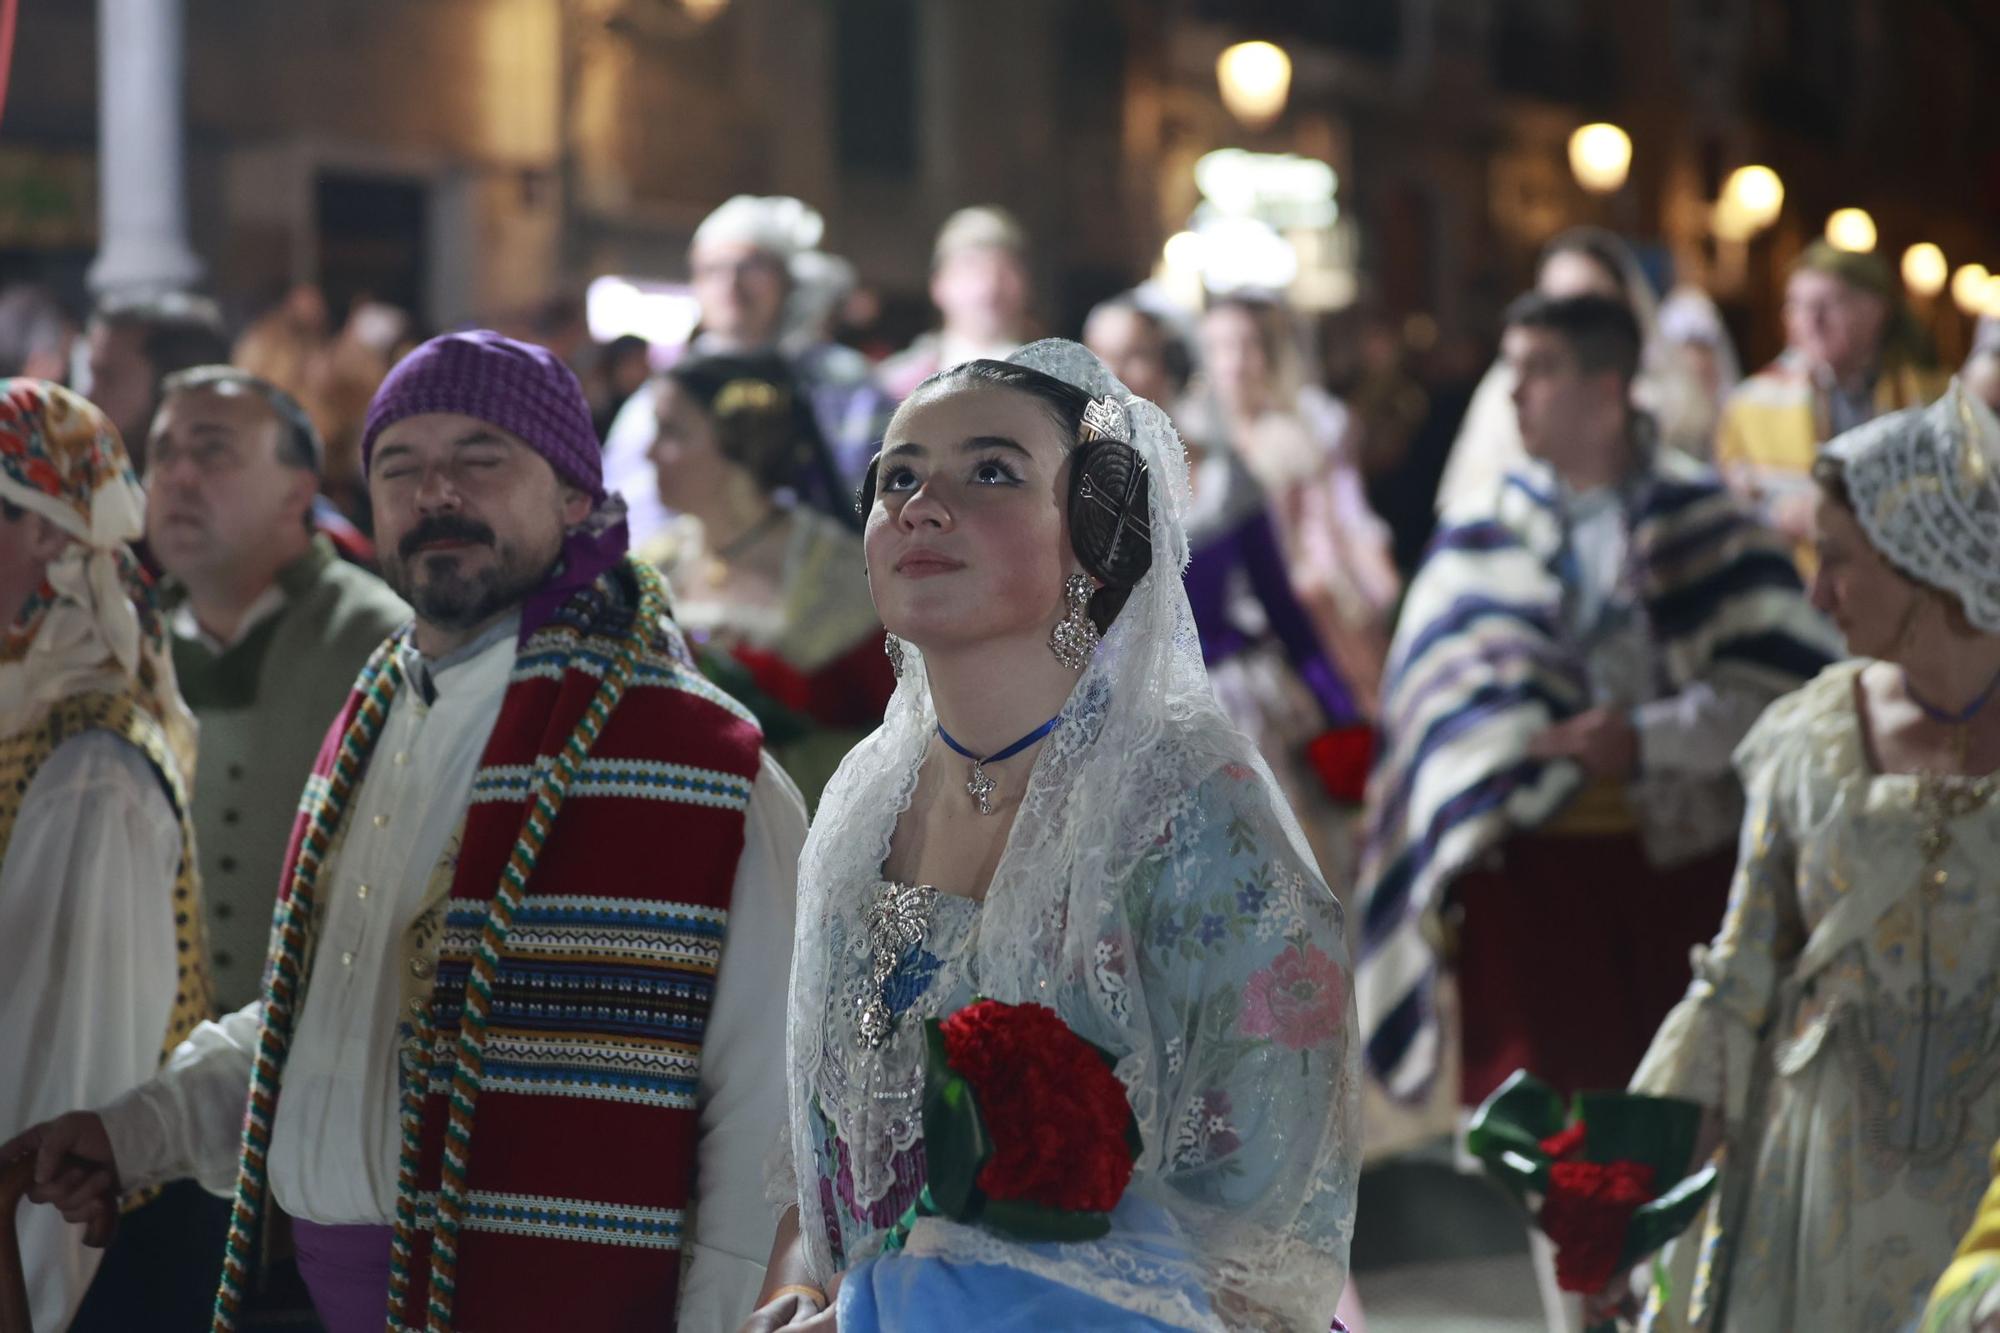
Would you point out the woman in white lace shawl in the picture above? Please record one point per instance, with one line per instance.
(1134, 868)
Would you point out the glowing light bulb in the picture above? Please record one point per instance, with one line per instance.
(1255, 79)
(1851, 229)
(1925, 271)
(1600, 157)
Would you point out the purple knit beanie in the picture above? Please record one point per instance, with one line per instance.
(523, 389)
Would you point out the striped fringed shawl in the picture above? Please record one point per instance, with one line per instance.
(1478, 669)
(550, 1117)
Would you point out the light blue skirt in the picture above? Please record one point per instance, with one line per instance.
(904, 1293)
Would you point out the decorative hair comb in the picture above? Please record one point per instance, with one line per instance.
(747, 395)
(1105, 419)
(1109, 518)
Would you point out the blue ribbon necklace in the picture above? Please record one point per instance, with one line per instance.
(981, 787)
(1960, 721)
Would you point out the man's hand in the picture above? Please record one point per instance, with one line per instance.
(1602, 741)
(74, 1171)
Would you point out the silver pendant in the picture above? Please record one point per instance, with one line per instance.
(981, 788)
(876, 1023)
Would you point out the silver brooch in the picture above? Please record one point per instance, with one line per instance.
(898, 921)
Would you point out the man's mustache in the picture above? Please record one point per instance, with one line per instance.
(444, 529)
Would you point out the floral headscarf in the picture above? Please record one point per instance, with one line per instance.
(95, 624)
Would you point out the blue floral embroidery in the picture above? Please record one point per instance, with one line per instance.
(1251, 897)
(912, 977)
(1213, 928)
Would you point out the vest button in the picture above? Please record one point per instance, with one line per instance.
(230, 816)
(227, 865)
(223, 911)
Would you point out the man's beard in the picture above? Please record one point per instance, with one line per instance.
(449, 598)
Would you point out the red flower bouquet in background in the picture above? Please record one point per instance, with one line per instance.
(1342, 756)
(1026, 1129)
(1609, 1181)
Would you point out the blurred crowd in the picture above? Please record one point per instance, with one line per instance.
(1499, 629)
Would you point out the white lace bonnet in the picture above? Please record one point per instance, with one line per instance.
(1925, 483)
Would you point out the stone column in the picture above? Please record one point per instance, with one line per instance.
(141, 153)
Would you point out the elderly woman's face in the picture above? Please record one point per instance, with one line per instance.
(1867, 600)
(967, 542)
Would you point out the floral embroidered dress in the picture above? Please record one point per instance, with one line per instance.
(1863, 947)
(1252, 958)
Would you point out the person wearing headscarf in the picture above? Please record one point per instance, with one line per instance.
(1852, 352)
(1120, 854)
(478, 943)
(1583, 261)
(1839, 1029)
(756, 276)
(1552, 817)
(1701, 371)
(772, 594)
(100, 912)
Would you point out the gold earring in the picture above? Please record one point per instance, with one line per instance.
(1075, 637)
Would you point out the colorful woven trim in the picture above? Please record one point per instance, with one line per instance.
(543, 806)
(376, 687)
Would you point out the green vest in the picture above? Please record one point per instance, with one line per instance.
(264, 704)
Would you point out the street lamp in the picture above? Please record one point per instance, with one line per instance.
(1924, 269)
(1851, 229)
(1968, 288)
(1755, 195)
(1255, 79)
(1600, 156)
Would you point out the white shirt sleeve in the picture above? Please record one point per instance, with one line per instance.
(87, 935)
(187, 1120)
(743, 1105)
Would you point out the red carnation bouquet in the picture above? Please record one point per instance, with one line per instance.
(1610, 1180)
(1026, 1129)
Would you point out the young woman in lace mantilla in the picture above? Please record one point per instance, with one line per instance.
(1055, 810)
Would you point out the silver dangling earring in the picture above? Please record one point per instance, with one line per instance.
(1075, 638)
(893, 646)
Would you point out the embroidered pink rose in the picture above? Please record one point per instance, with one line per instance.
(1297, 1001)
